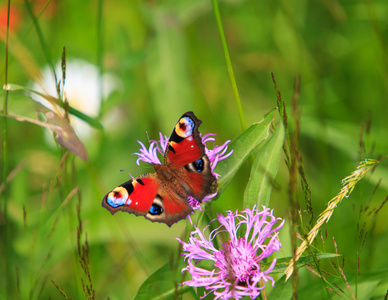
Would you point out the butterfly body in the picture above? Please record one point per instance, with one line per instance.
(163, 196)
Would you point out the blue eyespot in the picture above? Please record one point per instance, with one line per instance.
(155, 209)
(112, 201)
(119, 196)
(199, 165)
(185, 127)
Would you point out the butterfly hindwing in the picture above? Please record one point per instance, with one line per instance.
(171, 207)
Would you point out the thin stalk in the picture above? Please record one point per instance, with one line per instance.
(8, 248)
(5, 112)
(229, 65)
(231, 73)
(7, 236)
(40, 36)
(293, 184)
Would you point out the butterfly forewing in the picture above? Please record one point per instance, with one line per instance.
(134, 196)
(185, 153)
(185, 145)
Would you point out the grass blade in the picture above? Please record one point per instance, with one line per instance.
(91, 121)
(229, 65)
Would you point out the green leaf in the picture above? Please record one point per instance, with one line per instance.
(366, 284)
(264, 170)
(363, 287)
(165, 283)
(242, 146)
(282, 263)
(91, 121)
(282, 289)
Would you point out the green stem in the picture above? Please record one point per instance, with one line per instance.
(7, 242)
(40, 36)
(230, 71)
(229, 65)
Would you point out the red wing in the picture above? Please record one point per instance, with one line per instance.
(159, 200)
(147, 196)
(195, 183)
(169, 208)
(134, 196)
(185, 145)
(197, 178)
(185, 154)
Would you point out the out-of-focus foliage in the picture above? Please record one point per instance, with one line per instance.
(153, 61)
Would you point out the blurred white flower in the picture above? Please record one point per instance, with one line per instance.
(82, 90)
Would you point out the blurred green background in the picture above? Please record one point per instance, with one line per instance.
(153, 61)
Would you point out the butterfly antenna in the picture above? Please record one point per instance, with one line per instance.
(148, 138)
(128, 172)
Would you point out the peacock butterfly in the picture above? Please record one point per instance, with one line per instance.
(163, 196)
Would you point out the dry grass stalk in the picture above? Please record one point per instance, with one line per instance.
(348, 185)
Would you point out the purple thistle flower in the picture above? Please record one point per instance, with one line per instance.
(159, 146)
(148, 155)
(237, 269)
